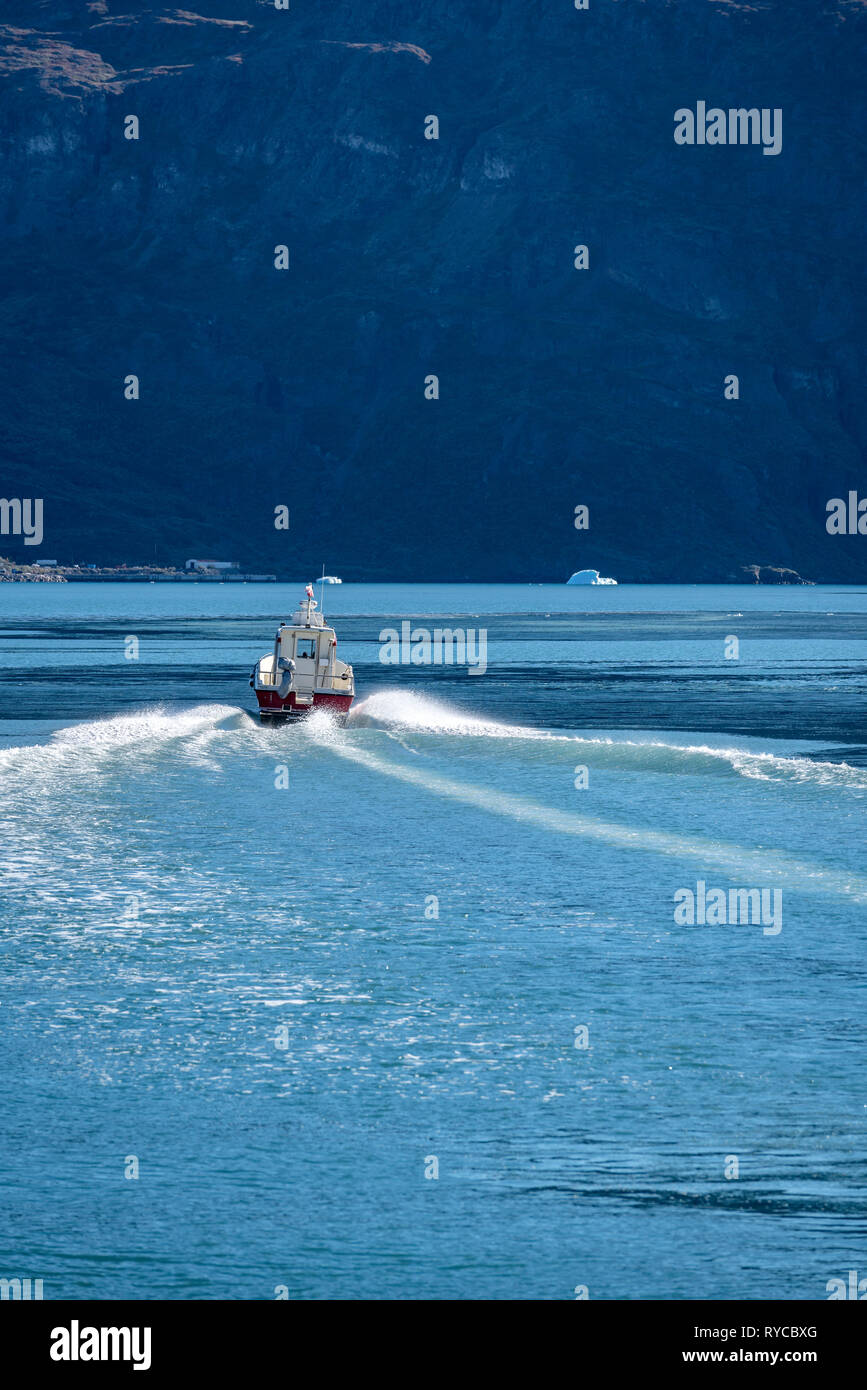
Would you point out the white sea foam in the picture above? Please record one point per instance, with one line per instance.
(83, 747)
(202, 734)
(222, 733)
(404, 711)
(753, 865)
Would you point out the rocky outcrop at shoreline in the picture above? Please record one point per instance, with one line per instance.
(774, 574)
(12, 573)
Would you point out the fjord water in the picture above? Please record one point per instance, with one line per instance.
(243, 985)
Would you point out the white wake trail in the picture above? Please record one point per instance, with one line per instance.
(405, 712)
(754, 866)
(86, 748)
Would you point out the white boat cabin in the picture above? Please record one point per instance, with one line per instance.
(304, 659)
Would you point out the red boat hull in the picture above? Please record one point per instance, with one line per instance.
(272, 707)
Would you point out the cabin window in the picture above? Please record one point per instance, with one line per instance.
(306, 648)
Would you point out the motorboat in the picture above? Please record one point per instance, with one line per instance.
(303, 672)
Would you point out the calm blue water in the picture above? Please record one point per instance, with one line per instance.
(170, 916)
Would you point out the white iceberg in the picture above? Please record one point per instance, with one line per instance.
(588, 577)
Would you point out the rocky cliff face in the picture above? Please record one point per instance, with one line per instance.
(411, 257)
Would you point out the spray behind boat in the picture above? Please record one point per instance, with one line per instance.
(303, 672)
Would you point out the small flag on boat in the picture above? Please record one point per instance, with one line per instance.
(309, 590)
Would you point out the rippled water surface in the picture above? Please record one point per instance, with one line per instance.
(286, 1000)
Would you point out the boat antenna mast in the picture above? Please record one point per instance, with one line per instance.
(322, 593)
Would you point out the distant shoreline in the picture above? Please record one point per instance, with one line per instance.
(15, 572)
(12, 572)
(435, 583)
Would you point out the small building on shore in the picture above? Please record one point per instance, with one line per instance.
(211, 565)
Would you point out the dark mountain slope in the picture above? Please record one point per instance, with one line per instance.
(409, 257)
